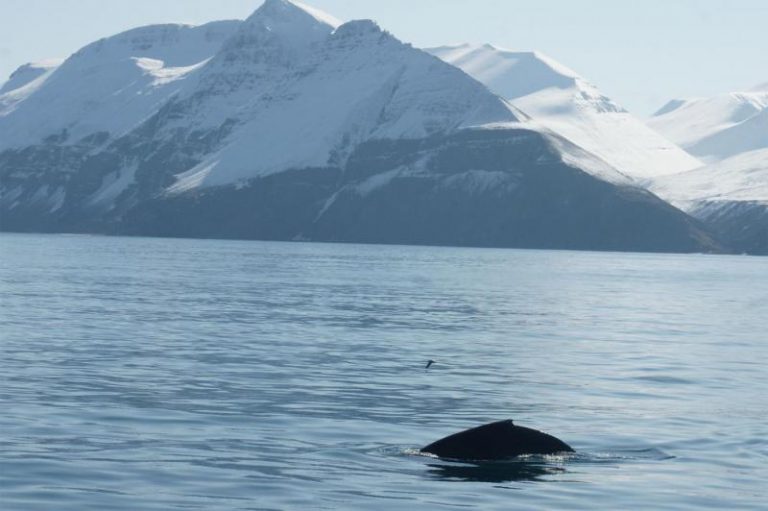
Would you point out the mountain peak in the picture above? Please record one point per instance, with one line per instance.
(559, 99)
(291, 12)
(28, 73)
(289, 25)
(512, 74)
(358, 28)
(670, 106)
(176, 44)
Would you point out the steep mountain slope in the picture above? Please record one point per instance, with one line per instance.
(110, 86)
(25, 81)
(731, 195)
(719, 127)
(474, 187)
(269, 78)
(743, 177)
(564, 102)
(297, 127)
(28, 73)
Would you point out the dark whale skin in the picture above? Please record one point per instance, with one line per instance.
(496, 441)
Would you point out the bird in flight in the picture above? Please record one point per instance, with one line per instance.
(429, 363)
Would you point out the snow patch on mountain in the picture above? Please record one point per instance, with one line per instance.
(381, 180)
(166, 75)
(194, 177)
(112, 186)
(564, 102)
(56, 199)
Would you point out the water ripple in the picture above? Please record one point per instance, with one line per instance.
(182, 374)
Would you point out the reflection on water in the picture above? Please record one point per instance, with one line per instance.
(494, 472)
(536, 467)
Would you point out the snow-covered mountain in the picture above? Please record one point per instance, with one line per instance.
(110, 86)
(23, 82)
(566, 103)
(292, 125)
(719, 127)
(730, 131)
(743, 177)
(29, 73)
(271, 74)
(729, 195)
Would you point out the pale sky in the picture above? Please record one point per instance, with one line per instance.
(641, 53)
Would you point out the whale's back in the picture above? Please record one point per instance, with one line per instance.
(494, 441)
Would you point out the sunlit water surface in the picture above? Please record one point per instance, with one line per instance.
(155, 374)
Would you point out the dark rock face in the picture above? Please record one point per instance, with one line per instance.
(279, 207)
(742, 225)
(496, 441)
(484, 188)
(54, 187)
(523, 197)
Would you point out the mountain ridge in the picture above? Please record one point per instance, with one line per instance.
(715, 128)
(730, 193)
(287, 126)
(564, 102)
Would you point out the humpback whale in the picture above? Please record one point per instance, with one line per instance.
(496, 441)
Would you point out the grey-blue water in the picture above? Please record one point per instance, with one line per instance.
(154, 374)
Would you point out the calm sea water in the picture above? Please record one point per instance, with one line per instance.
(154, 374)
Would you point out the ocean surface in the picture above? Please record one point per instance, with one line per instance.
(159, 374)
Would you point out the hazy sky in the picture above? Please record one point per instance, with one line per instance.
(639, 52)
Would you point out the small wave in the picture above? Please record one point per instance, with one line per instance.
(530, 467)
(620, 455)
